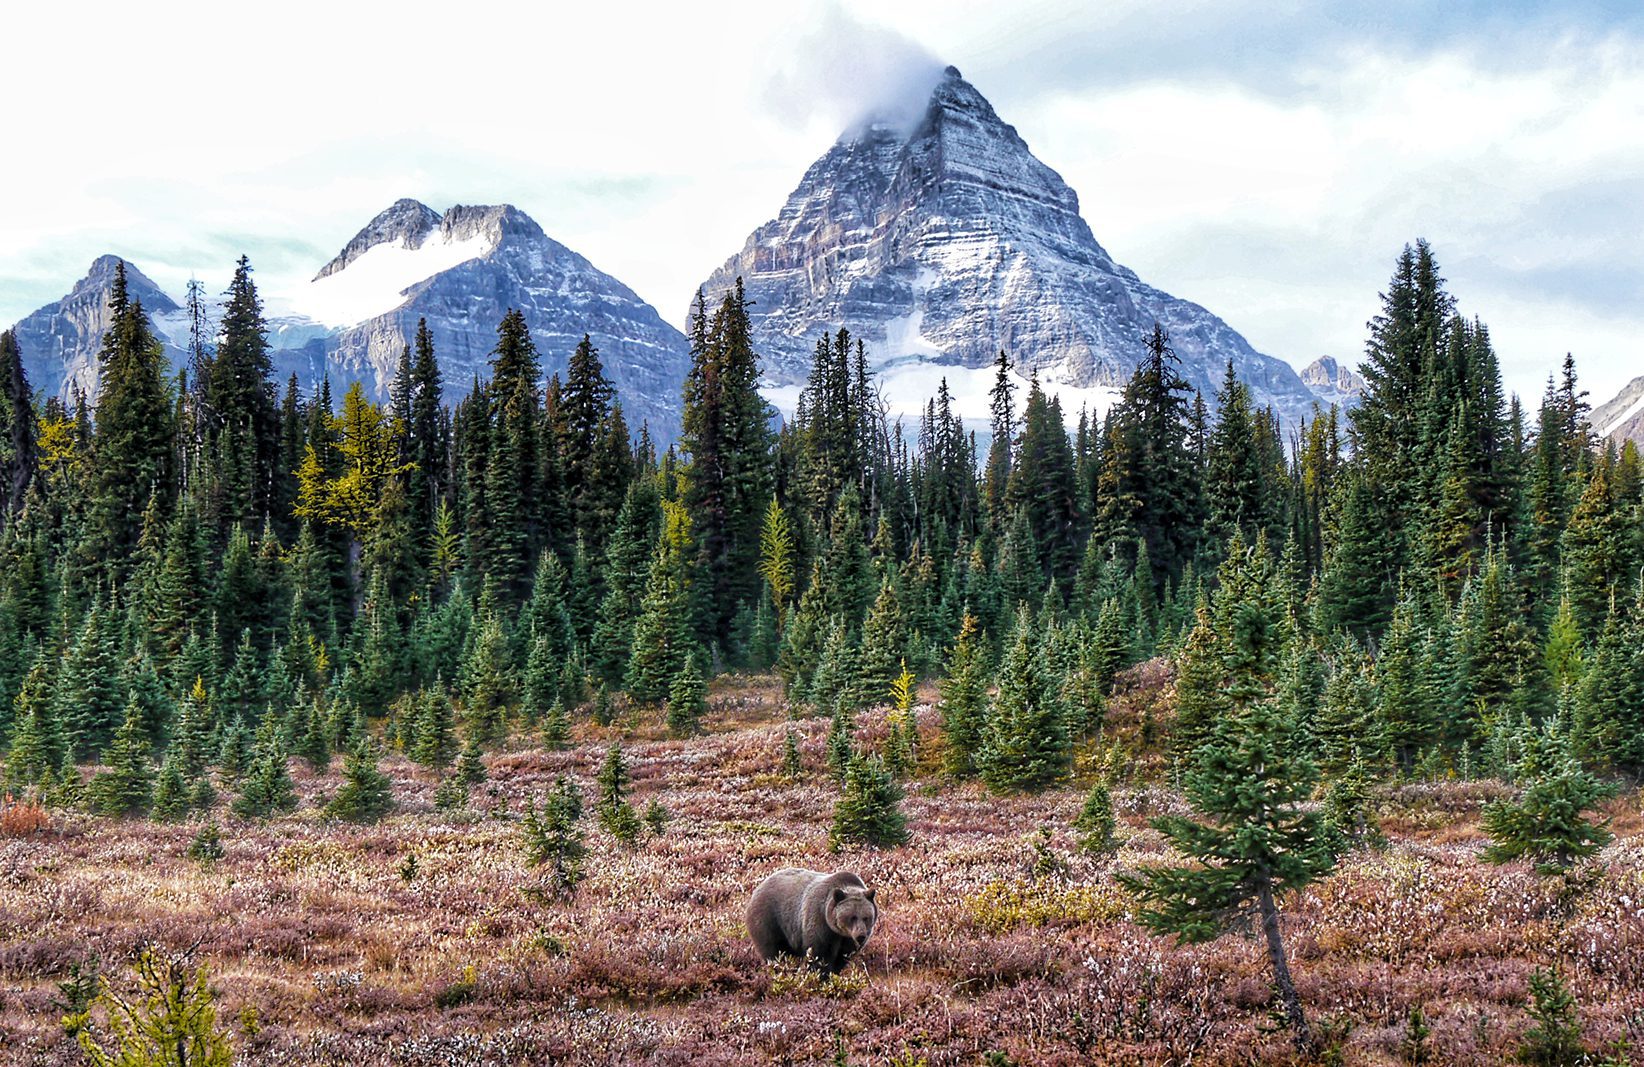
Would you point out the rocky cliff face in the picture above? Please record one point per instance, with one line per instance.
(60, 341)
(1622, 418)
(1333, 383)
(941, 245)
(461, 271)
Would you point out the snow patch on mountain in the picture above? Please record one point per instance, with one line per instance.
(1622, 417)
(375, 281)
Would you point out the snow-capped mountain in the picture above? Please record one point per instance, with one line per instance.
(461, 271)
(1333, 383)
(942, 244)
(1622, 418)
(60, 341)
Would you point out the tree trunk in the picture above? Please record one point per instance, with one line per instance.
(1281, 970)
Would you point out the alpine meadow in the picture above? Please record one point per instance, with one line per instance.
(426, 665)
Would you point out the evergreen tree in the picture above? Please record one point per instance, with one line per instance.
(1095, 822)
(554, 837)
(242, 423)
(687, 700)
(556, 728)
(133, 452)
(433, 737)
(869, 808)
(171, 801)
(471, 769)
(1026, 745)
(38, 744)
(726, 435)
(614, 811)
(964, 705)
(18, 430)
(662, 641)
(1547, 823)
(127, 787)
(1252, 843)
(267, 789)
(366, 794)
(883, 649)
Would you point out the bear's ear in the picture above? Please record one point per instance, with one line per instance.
(868, 894)
(838, 894)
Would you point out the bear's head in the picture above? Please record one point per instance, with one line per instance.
(852, 913)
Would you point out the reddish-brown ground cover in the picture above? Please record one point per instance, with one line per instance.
(344, 961)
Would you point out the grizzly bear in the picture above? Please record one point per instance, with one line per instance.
(824, 919)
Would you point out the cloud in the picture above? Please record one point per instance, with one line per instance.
(842, 70)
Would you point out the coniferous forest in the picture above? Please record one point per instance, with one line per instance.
(1306, 683)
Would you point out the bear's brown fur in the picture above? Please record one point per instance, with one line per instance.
(822, 918)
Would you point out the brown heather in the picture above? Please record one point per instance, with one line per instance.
(342, 959)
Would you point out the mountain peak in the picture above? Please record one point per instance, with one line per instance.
(405, 223)
(941, 240)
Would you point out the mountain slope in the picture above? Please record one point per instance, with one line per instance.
(1333, 383)
(461, 271)
(940, 245)
(60, 341)
(1622, 418)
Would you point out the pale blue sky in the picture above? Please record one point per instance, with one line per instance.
(1266, 160)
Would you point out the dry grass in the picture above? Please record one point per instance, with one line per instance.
(312, 925)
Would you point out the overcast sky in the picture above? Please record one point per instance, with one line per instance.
(1266, 160)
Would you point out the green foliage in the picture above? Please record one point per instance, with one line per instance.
(206, 847)
(662, 639)
(687, 700)
(127, 787)
(1096, 822)
(553, 837)
(172, 1022)
(1547, 823)
(793, 765)
(869, 808)
(616, 815)
(267, 789)
(1555, 1038)
(964, 704)
(1026, 745)
(366, 794)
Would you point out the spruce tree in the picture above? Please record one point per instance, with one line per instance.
(1026, 746)
(434, 738)
(1095, 822)
(127, 786)
(556, 728)
(869, 808)
(883, 649)
(171, 800)
(554, 837)
(662, 640)
(615, 813)
(38, 744)
(964, 704)
(1548, 822)
(267, 789)
(1252, 842)
(242, 421)
(687, 700)
(366, 794)
(133, 453)
(18, 429)
(727, 437)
